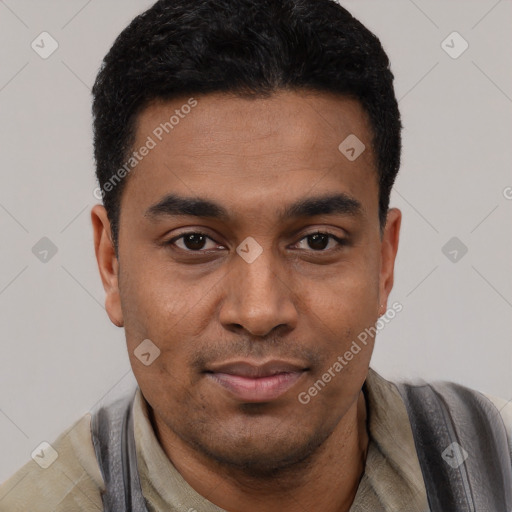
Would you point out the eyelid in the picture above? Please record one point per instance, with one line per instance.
(174, 239)
(341, 241)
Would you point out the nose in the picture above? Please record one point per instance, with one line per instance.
(258, 299)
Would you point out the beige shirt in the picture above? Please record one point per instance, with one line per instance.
(392, 480)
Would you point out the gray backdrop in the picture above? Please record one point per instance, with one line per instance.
(60, 353)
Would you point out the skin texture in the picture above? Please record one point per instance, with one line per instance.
(300, 300)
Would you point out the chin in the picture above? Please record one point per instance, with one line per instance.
(261, 453)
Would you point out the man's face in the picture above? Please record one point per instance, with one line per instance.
(242, 333)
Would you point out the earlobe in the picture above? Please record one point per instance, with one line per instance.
(389, 249)
(108, 264)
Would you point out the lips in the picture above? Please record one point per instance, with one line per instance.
(252, 382)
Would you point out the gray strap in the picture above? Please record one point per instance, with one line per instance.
(114, 444)
(444, 413)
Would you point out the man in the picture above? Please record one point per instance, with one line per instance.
(245, 153)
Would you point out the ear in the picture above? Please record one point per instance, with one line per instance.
(107, 263)
(389, 248)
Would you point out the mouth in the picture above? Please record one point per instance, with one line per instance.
(252, 382)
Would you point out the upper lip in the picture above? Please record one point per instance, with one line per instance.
(254, 370)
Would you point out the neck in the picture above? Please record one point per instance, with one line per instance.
(328, 481)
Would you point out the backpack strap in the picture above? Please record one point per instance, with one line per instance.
(114, 443)
(462, 447)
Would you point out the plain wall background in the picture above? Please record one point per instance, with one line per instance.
(60, 355)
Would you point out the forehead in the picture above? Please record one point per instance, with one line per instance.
(251, 153)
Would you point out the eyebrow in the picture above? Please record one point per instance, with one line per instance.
(332, 204)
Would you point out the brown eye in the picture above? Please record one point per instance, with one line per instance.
(319, 242)
(193, 241)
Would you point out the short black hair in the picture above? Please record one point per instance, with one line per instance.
(250, 48)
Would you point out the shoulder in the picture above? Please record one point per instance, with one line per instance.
(496, 409)
(63, 476)
(504, 408)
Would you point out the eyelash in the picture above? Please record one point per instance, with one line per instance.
(341, 242)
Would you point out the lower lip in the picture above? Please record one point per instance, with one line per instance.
(260, 389)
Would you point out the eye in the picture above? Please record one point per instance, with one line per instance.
(195, 241)
(319, 241)
(192, 241)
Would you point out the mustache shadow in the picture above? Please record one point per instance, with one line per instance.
(245, 348)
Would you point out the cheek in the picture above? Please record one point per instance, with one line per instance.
(162, 306)
(156, 299)
(347, 306)
(350, 296)
(149, 315)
